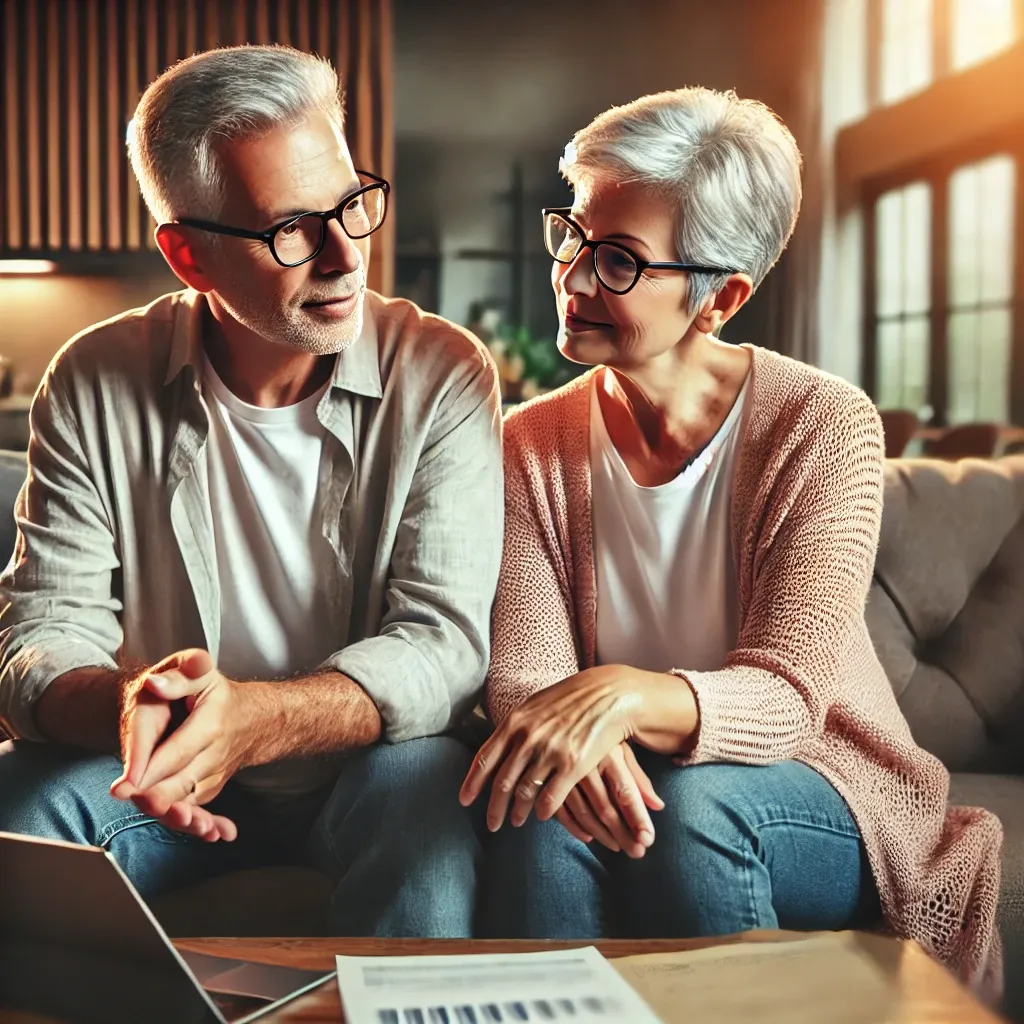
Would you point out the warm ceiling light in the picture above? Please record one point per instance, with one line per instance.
(27, 267)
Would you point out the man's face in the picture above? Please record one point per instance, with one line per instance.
(316, 307)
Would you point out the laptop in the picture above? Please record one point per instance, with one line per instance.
(78, 943)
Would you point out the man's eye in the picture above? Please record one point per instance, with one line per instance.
(289, 229)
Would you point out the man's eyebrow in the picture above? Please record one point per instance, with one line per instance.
(276, 218)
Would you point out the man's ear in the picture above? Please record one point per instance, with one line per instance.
(724, 304)
(182, 257)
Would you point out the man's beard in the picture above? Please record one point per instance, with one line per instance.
(298, 327)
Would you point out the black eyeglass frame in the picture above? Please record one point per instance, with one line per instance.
(325, 216)
(594, 244)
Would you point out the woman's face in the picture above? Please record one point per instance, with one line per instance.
(598, 326)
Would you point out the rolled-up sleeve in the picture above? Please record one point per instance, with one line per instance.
(57, 609)
(425, 668)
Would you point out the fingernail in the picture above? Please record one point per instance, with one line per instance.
(161, 682)
(646, 837)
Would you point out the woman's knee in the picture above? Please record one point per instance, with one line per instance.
(706, 801)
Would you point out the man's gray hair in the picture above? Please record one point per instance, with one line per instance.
(730, 166)
(237, 92)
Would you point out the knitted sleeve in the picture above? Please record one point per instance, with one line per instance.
(811, 568)
(533, 622)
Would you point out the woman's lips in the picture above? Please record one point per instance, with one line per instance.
(577, 323)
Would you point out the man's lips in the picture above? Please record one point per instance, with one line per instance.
(335, 301)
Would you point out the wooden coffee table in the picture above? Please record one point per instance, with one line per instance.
(930, 994)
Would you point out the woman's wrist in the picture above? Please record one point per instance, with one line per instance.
(669, 715)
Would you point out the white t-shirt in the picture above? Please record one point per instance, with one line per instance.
(666, 580)
(274, 564)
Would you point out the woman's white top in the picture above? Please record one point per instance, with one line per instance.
(666, 578)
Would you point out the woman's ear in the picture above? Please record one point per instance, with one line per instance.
(724, 304)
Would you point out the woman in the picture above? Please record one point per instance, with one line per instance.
(690, 536)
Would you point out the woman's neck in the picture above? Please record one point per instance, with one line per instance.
(662, 415)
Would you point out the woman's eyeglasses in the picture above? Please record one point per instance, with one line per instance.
(617, 267)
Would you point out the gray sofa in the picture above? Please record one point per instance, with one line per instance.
(946, 612)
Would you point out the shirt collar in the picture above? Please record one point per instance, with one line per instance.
(357, 369)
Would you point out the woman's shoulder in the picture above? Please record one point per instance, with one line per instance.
(549, 422)
(800, 398)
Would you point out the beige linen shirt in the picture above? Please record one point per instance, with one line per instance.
(115, 560)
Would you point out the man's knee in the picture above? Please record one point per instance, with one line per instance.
(402, 849)
(420, 776)
(44, 791)
(407, 791)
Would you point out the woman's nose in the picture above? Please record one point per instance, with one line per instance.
(579, 277)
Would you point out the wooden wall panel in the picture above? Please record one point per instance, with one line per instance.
(73, 71)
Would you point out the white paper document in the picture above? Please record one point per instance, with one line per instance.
(575, 986)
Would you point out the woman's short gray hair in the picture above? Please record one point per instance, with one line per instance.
(237, 92)
(731, 167)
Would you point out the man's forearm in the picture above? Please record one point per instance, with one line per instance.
(323, 713)
(82, 709)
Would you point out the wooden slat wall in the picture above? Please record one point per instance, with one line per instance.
(73, 71)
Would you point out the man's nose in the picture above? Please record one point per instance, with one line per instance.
(339, 253)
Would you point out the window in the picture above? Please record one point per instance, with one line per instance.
(979, 29)
(905, 64)
(980, 322)
(911, 43)
(902, 297)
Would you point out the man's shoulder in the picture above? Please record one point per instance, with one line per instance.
(137, 341)
(406, 333)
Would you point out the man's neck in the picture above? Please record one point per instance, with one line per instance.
(259, 372)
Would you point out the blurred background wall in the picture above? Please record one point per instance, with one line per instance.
(904, 274)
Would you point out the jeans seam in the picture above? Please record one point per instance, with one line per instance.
(115, 828)
(748, 870)
(815, 825)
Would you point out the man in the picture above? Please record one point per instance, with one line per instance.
(260, 533)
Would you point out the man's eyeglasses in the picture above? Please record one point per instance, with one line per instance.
(301, 238)
(617, 267)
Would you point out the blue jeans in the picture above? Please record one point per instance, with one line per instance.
(390, 832)
(736, 848)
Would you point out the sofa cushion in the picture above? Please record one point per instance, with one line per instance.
(946, 609)
(1004, 796)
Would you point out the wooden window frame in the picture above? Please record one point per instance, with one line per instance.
(936, 173)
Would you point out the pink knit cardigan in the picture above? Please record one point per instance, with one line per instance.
(804, 682)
